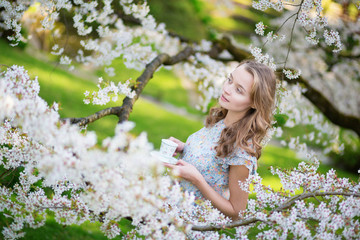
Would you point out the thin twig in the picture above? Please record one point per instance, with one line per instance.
(289, 4)
(2, 175)
(64, 207)
(302, 196)
(277, 30)
(7, 170)
(5, 65)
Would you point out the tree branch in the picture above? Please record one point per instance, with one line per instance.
(302, 196)
(92, 118)
(286, 205)
(229, 225)
(225, 43)
(292, 34)
(141, 82)
(317, 98)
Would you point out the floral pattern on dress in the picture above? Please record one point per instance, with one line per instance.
(200, 151)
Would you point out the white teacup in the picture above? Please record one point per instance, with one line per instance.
(167, 147)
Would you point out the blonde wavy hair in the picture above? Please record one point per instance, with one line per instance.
(248, 132)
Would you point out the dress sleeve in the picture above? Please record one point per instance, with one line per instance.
(239, 157)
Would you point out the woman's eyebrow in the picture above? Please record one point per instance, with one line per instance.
(232, 78)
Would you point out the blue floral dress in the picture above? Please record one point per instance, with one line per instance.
(200, 151)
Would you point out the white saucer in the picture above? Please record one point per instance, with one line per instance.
(163, 158)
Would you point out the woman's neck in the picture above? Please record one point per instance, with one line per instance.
(232, 117)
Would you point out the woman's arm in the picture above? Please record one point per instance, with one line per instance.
(238, 197)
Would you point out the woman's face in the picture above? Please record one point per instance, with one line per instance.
(236, 90)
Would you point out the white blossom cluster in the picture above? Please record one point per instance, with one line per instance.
(333, 38)
(108, 92)
(314, 68)
(120, 41)
(11, 16)
(262, 5)
(292, 74)
(263, 58)
(119, 180)
(308, 15)
(311, 63)
(306, 19)
(136, 45)
(209, 74)
(300, 112)
(260, 27)
(299, 186)
(27, 123)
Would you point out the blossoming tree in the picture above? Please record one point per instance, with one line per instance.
(61, 170)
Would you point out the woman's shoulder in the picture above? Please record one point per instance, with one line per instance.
(197, 134)
(216, 127)
(241, 153)
(239, 157)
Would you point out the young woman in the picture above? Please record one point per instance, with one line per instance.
(225, 151)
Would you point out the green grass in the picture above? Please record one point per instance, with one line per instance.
(52, 230)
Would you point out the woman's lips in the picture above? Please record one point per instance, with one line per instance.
(224, 98)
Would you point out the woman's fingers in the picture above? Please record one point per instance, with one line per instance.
(181, 162)
(174, 169)
(175, 140)
(179, 168)
(168, 165)
(180, 144)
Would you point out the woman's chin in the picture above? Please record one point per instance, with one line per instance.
(222, 103)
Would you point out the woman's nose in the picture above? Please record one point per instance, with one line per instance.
(226, 89)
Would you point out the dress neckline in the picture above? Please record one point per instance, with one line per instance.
(221, 123)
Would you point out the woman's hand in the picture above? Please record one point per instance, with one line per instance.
(180, 146)
(186, 171)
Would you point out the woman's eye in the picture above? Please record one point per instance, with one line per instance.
(238, 90)
(229, 80)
